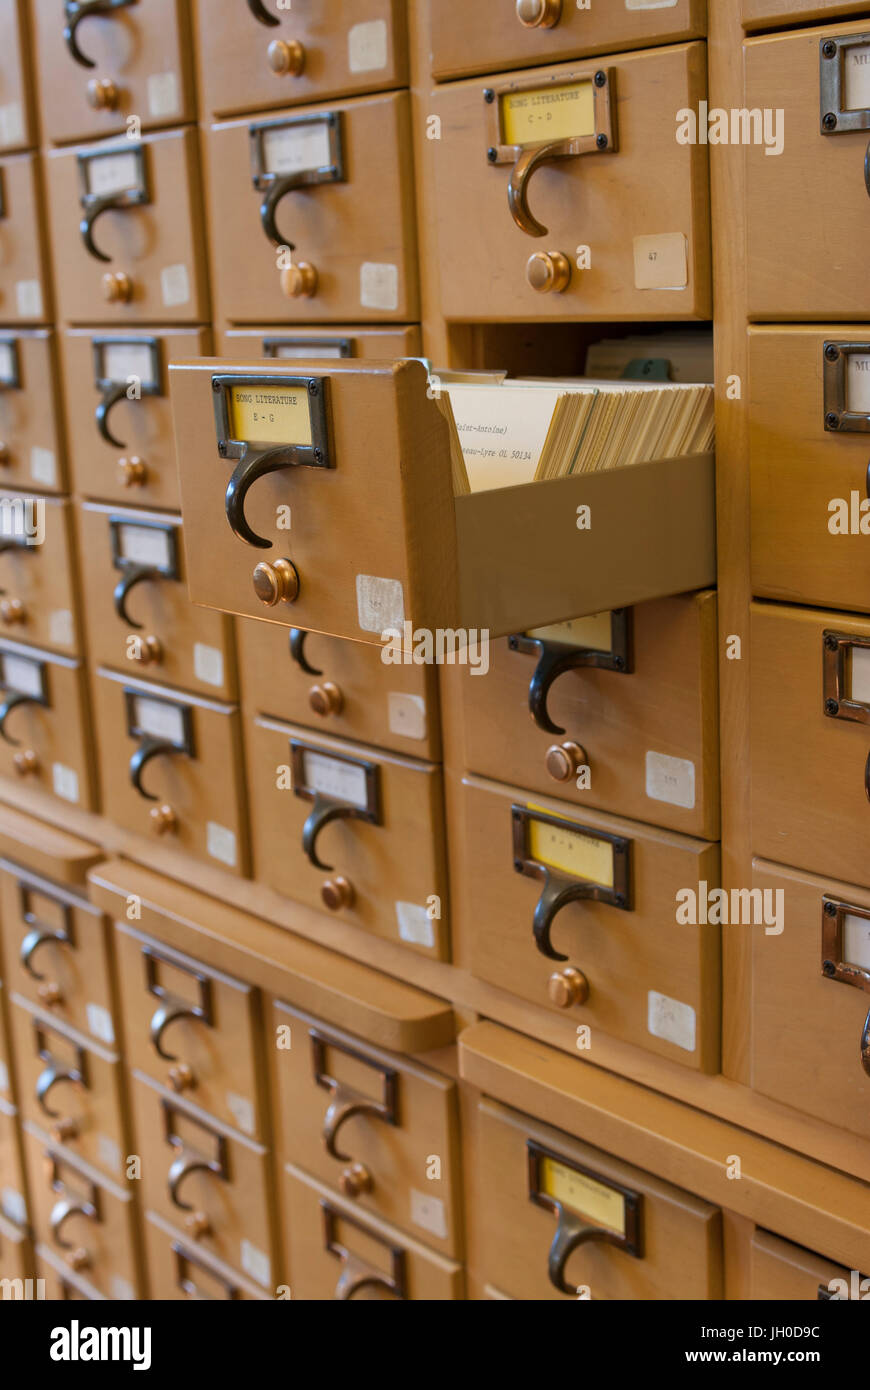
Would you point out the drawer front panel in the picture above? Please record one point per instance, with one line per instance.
(46, 722)
(316, 344)
(37, 573)
(178, 1269)
(13, 1190)
(32, 453)
(25, 284)
(785, 1272)
(18, 128)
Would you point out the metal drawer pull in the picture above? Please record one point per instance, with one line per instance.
(9, 704)
(190, 1163)
(346, 1102)
(260, 13)
(132, 576)
(184, 1258)
(113, 394)
(149, 749)
(61, 1213)
(51, 1077)
(556, 658)
(171, 1006)
(77, 10)
(191, 1160)
(323, 812)
(40, 932)
(357, 1273)
(168, 1013)
(571, 1233)
(250, 470)
(297, 637)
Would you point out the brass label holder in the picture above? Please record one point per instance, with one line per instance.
(555, 658)
(834, 964)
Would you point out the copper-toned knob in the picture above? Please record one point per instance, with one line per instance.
(286, 57)
(78, 1259)
(163, 819)
(197, 1225)
(117, 287)
(564, 759)
(567, 987)
(548, 272)
(50, 993)
(355, 1180)
(26, 764)
(276, 583)
(181, 1078)
(326, 699)
(337, 893)
(4, 453)
(299, 281)
(539, 14)
(148, 651)
(132, 472)
(102, 94)
(12, 611)
(64, 1130)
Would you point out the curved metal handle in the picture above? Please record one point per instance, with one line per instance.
(169, 1011)
(355, 1276)
(343, 1105)
(323, 812)
(133, 575)
(279, 189)
(249, 471)
(9, 704)
(115, 393)
(865, 1044)
(61, 1213)
(297, 652)
(571, 1233)
(46, 1082)
(867, 170)
(95, 209)
(77, 10)
(554, 659)
(261, 14)
(518, 186)
(31, 944)
(184, 1164)
(866, 774)
(149, 748)
(558, 892)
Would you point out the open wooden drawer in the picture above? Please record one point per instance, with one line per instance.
(341, 517)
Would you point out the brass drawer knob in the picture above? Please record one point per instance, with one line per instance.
(181, 1078)
(50, 994)
(337, 893)
(78, 1259)
(299, 281)
(117, 287)
(276, 583)
(163, 819)
(548, 272)
(148, 651)
(64, 1130)
(567, 987)
(102, 94)
(539, 14)
(564, 759)
(197, 1225)
(26, 764)
(355, 1180)
(132, 472)
(4, 453)
(286, 57)
(12, 611)
(326, 699)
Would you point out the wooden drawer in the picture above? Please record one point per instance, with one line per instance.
(809, 1018)
(343, 687)
(380, 1128)
(13, 1191)
(562, 1219)
(337, 1253)
(809, 411)
(211, 1185)
(59, 1283)
(355, 229)
(645, 225)
(485, 37)
(143, 260)
(46, 722)
(193, 792)
(763, 14)
(305, 344)
(120, 422)
(18, 128)
(126, 68)
(587, 915)
(352, 829)
(787, 1273)
(802, 262)
(265, 55)
(5, 1049)
(25, 284)
(810, 707)
(193, 1029)
(70, 1087)
(178, 1269)
(86, 1220)
(38, 572)
(57, 953)
(139, 614)
(433, 561)
(624, 713)
(16, 1261)
(32, 452)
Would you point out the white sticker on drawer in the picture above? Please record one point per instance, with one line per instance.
(661, 262)
(856, 941)
(856, 68)
(256, 1263)
(859, 688)
(858, 382)
(113, 172)
(159, 719)
(242, 1112)
(60, 628)
(336, 778)
(22, 675)
(13, 1206)
(406, 715)
(163, 94)
(4, 1077)
(671, 1021)
(221, 844)
(108, 1153)
(379, 286)
(28, 298)
(671, 780)
(127, 359)
(295, 149)
(122, 1289)
(11, 124)
(380, 604)
(43, 466)
(208, 664)
(368, 46)
(415, 924)
(146, 545)
(100, 1023)
(429, 1213)
(175, 285)
(65, 781)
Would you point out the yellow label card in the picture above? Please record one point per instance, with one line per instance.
(593, 632)
(551, 113)
(270, 415)
(582, 856)
(598, 1202)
